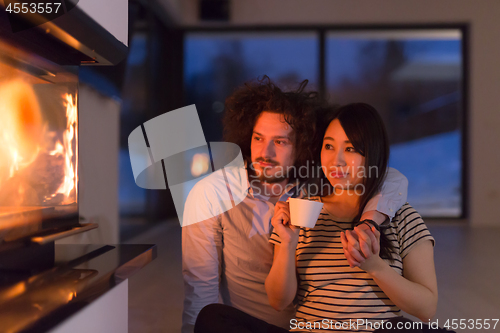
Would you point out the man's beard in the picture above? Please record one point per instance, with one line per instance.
(260, 173)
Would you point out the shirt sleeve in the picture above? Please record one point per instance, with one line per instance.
(201, 256)
(411, 229)
(392, 196)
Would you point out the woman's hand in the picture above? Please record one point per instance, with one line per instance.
(288, 233)
(369, 248)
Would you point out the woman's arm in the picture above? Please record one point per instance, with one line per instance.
(281, 283)
(416, 291)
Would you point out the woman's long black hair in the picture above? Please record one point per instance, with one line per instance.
(366, 131)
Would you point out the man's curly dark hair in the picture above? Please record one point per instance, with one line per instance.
(248, 101)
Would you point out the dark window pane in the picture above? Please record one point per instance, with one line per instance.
(132, 198)
(414, 79)
(216, 63)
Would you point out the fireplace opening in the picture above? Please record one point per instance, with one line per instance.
(38, 144)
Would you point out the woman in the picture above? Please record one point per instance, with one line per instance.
(340, 275)
(317, 263)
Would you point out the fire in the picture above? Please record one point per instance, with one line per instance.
(20, 127)
(37, 166)
(70, 170)
(59, 149)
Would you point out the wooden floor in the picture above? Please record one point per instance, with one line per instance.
(467, 266)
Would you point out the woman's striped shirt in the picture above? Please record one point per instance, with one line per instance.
(328, 289)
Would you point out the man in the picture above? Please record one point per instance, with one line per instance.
(229, 256)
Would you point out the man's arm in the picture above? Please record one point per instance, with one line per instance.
(392, 196)
(201, 258)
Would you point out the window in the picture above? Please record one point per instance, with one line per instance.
(216, 63)
(132, 198)
(414, 77)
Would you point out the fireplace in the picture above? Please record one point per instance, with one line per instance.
(39, 130)
(38, 143)
(44, 286)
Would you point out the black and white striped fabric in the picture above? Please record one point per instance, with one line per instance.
(329, 289)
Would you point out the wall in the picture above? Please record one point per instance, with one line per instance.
(484, 50)
(108, 313)
(99, 118)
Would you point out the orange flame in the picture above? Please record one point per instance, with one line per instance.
(21, 127)
(71, 132)
(24, 136)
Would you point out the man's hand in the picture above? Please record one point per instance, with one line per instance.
(354, 257)
(369, 242)
(351, 248)
(352, 245)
